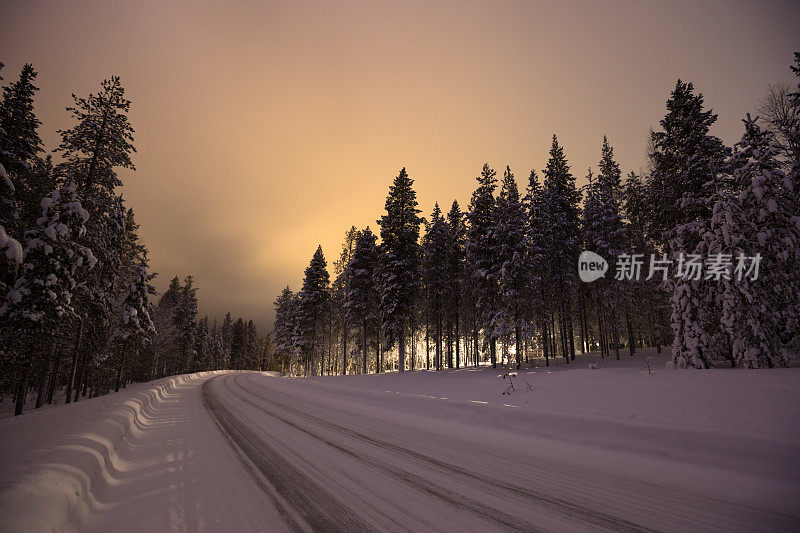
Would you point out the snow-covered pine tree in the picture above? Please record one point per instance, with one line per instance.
(541, 306)
(513, 263)
(338, 295)
(686, 162)
(19, 137)
(135, 324)
(92, 150)
(482, 249)
(400, 262)
(314, 298)
(361, 298)
(202, 346)
(649, 299)
(435, 268)
(10, 248)
(42, 296)
(758, 215)
(286, 305)
(562, 224)
(184, 316)
(606, 235)
(455, 271)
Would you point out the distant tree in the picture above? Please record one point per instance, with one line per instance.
(185, 319)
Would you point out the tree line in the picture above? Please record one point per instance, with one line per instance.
(499, 282)
(75, 283)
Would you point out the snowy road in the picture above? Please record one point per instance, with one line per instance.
(335, 459)
(424, 451)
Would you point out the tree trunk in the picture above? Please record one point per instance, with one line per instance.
(427, 341)
(614, 332)
(493, 351)
(518, 346)
(121, 364)
(545, 344)
(74, 367)
(475, 342)
(458, 343)
(344, 345)
(401, 350)
(364, 346)
(438, 364)
(42, 392)
(631, 338)
(53, 379)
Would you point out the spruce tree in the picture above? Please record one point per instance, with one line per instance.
(541, 304)
(42, 296)
(435, 269)
(513, 264)
(185, 319)
(283, 329)
(562, 225)
(482, 250)
(687, 161)
(19, 137)
(314, 297)
(361, 299)
(400, 262)
(455, 272)
(758, 217)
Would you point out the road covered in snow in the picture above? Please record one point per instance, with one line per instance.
(568, 449)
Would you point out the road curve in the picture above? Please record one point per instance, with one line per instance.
(334, 462)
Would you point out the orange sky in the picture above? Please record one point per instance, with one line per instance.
(265, 128)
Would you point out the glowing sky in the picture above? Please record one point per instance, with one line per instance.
(265, 128)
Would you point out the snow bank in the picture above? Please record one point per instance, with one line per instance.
(55, 462)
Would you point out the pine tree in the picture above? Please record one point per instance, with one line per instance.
(339, 294)
(562, 225)
(606, 235)
(541, 305)
(135, 323)
(758, 216)
(314, 297)
(435, 269)
(513, 264)
(286, 311)
(92, 150)
(42, 296)
(400, 262)
(361, 299)
(455, 271)
(686, 163)
(19, 138)
(482, 254)
(185, 319)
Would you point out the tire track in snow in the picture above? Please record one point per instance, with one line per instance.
(319, 509)
(565, 508)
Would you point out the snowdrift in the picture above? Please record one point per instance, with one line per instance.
(51, 484)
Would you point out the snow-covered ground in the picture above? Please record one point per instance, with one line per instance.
(569, 448)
